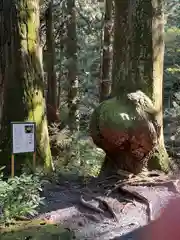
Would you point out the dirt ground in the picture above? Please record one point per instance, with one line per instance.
(63, 206)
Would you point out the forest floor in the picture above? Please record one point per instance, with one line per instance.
(63, 203)
(63, 206)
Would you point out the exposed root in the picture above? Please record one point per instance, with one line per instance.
(90, 206)
(158, 183)
(140, 198)
(137, 195)
(128, 203)
(124, 173)
(151, 174)
(110, 209)
(149, 178)
(98, 209)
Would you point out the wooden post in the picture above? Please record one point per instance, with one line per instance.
(12, 165)
(34, 161)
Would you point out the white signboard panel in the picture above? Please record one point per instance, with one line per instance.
(23, 135)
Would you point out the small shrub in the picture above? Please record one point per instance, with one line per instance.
(19, 196)
(88, 156)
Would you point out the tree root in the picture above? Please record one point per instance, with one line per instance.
(110, 209)
(140, 198)
(144, 179)
(90, 206)
(98, 209)
(148, 178)
(125, 174)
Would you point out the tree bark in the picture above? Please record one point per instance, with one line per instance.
(105, 87)
(50, 55)
(1, 96)
(148, 58)
(23, 78)
(71, 54)
(123, 29)
(138, 58)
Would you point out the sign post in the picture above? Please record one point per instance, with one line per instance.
(23, 141)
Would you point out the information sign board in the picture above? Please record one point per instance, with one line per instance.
(23, 137)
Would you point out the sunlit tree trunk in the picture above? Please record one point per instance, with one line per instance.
(50, 56)
(138, 57)
(148, 59)
(23, 78)
(71, 54)
(105, 87)
(121, 83)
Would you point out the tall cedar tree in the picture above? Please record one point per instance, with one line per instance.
(23, 78)
(50, 57)
(138, 57)
(71, 54)
(105, 87)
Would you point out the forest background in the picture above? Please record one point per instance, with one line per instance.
(72, 79)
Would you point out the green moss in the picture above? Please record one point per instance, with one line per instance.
(36, 113)
(28, 27)
(31, 35)
(117, 114)
(160, 160)
(35, 231)
(120, 115)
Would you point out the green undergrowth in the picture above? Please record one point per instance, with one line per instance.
(35, 230)
(75, 153)
(19, 197)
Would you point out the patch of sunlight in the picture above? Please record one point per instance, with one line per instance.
(35, 230)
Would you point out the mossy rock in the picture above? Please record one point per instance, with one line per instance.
(35, 230)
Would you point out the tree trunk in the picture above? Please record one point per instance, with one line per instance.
(105, 88)
(148, 58)
(121, 81)
(71, 54)
(1, 96)
(138, 58)
(50, 55)
(23, 78)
